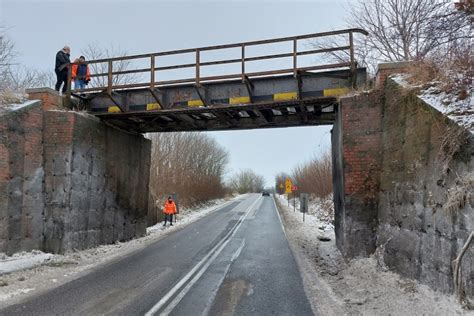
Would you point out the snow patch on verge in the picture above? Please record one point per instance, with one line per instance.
(37, 272)
(358, 287)
(23, 260)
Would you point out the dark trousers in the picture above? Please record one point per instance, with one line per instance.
(61, 77)
(169, 217)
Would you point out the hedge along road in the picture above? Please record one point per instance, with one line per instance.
(234, 261)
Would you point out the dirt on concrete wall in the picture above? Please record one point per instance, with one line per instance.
(69, 181)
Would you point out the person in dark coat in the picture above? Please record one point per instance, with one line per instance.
(61, 68)
(80, 73)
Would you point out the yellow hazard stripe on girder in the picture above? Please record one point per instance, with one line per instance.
(114, 109)
(195, 103)
(285, 96)
(335, 92)
(153, 106)
(239, 100)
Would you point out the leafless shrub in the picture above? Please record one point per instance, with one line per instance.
(189, 164)
(315, 176)
(247, 181)
(451, 145)
(458, 195)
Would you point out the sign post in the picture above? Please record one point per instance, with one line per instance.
(304, 204)
(174, 196)
(288, 186)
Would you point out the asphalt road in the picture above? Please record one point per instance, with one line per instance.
(235, 261)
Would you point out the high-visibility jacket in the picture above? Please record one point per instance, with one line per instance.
(80, 71)
(170, 208)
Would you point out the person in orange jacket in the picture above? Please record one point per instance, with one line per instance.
(169, 210)
(80, 73)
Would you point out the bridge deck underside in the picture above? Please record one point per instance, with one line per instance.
(318, 111)
(277, 101)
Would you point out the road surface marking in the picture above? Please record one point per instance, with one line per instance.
(279, 217)
(188, 276)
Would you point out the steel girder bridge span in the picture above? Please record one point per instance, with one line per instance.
(289, 96)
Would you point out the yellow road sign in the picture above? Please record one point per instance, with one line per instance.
(288, 186)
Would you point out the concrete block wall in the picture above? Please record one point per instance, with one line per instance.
(68, 181)
(21, 179)
(356, 142)
(417, 236)
(96, 182)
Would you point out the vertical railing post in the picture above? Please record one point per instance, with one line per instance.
(295, 56)
(243, 62)
(353, 66)
(69, 85)
(152, 73)
(197, 67)
(109, 77)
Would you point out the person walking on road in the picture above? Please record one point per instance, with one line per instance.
(61, 68)
(80, 73)
(169, 210)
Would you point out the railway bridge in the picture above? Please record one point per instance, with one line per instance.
(297, 86)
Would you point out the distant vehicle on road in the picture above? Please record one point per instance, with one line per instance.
(265, 193)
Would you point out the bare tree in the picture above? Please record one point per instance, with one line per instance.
(190, 164)
(280, 179)
(246, 181)
(402, 30)
(315, 176)
(94, 52)
(7, 56)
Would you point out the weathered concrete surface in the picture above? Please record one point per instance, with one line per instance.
(21, 179)
(96, 182)
(68, 181)
(426, 158)
(397, 165)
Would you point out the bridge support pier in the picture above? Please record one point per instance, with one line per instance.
(69, 181)
(356, 146)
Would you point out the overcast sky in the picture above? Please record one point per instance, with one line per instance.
(40, 28)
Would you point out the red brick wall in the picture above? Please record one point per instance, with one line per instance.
(361, 124)
(50, 99)
(387, 69)
(358, 135)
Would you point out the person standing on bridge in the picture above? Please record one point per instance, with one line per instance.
(169, 210)
(80, 73)
(61, 68)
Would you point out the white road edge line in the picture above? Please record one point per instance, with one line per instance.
(165, 298)
(279, 217)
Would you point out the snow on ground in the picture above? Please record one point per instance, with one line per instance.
(5, 108)
(23, 260)
(29, 273)
(358, 287)
(460, 110)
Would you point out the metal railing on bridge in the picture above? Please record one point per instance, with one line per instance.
(108, 84)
